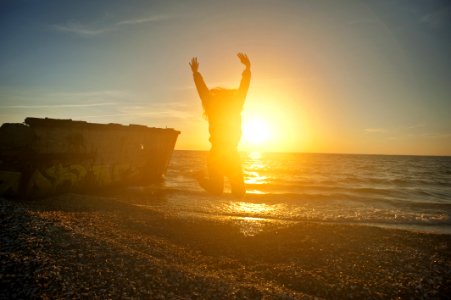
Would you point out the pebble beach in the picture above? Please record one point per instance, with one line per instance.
(97, 247)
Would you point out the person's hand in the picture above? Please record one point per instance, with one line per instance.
(194, 65)
(244, 59)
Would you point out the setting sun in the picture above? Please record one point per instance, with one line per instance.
(256, 131)
(273, 121)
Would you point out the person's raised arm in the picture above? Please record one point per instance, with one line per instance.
(202, 88)
(246, 76)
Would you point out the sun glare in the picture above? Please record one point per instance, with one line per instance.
(256, 131)
(272, 122)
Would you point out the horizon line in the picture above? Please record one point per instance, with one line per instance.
(327, 153)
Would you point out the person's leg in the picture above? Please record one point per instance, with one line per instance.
(238, 187)
(214, 184)
(235, 174)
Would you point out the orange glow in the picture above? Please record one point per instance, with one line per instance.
(251, 208)
(272, 121)
(252, 172)
(256, 131)
(276, 116)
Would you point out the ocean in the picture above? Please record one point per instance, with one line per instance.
(406, 192)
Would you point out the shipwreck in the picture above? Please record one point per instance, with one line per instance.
(47, 156)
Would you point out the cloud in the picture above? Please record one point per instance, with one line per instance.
(98, 106)
(81, 30)
(375, 130)
(58, 105)
(359, 22)
(33, 98)
(87, 31)
(416, 126)
(157, 110)
(430, 135)
(408, 128)
(143, 20)
(437, 135)
(100, 94)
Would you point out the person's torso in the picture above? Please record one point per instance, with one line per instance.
(224, 118)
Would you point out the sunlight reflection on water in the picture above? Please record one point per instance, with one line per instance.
(250, 208)
(252, 172)
(253, 217)
(289, 187)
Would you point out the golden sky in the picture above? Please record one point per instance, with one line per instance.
(327, 76)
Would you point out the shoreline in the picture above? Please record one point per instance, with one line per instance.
(444, 229)
(94, 246)
(425, 229)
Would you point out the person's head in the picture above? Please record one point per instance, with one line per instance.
(219, 94)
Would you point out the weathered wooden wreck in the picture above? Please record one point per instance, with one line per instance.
(47, 156)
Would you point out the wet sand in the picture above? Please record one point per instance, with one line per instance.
(91, 246)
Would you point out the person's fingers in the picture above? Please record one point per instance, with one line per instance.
(194, 64)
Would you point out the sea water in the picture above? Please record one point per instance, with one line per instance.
(409, 192)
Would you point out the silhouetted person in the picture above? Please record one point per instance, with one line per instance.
(223, 110)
